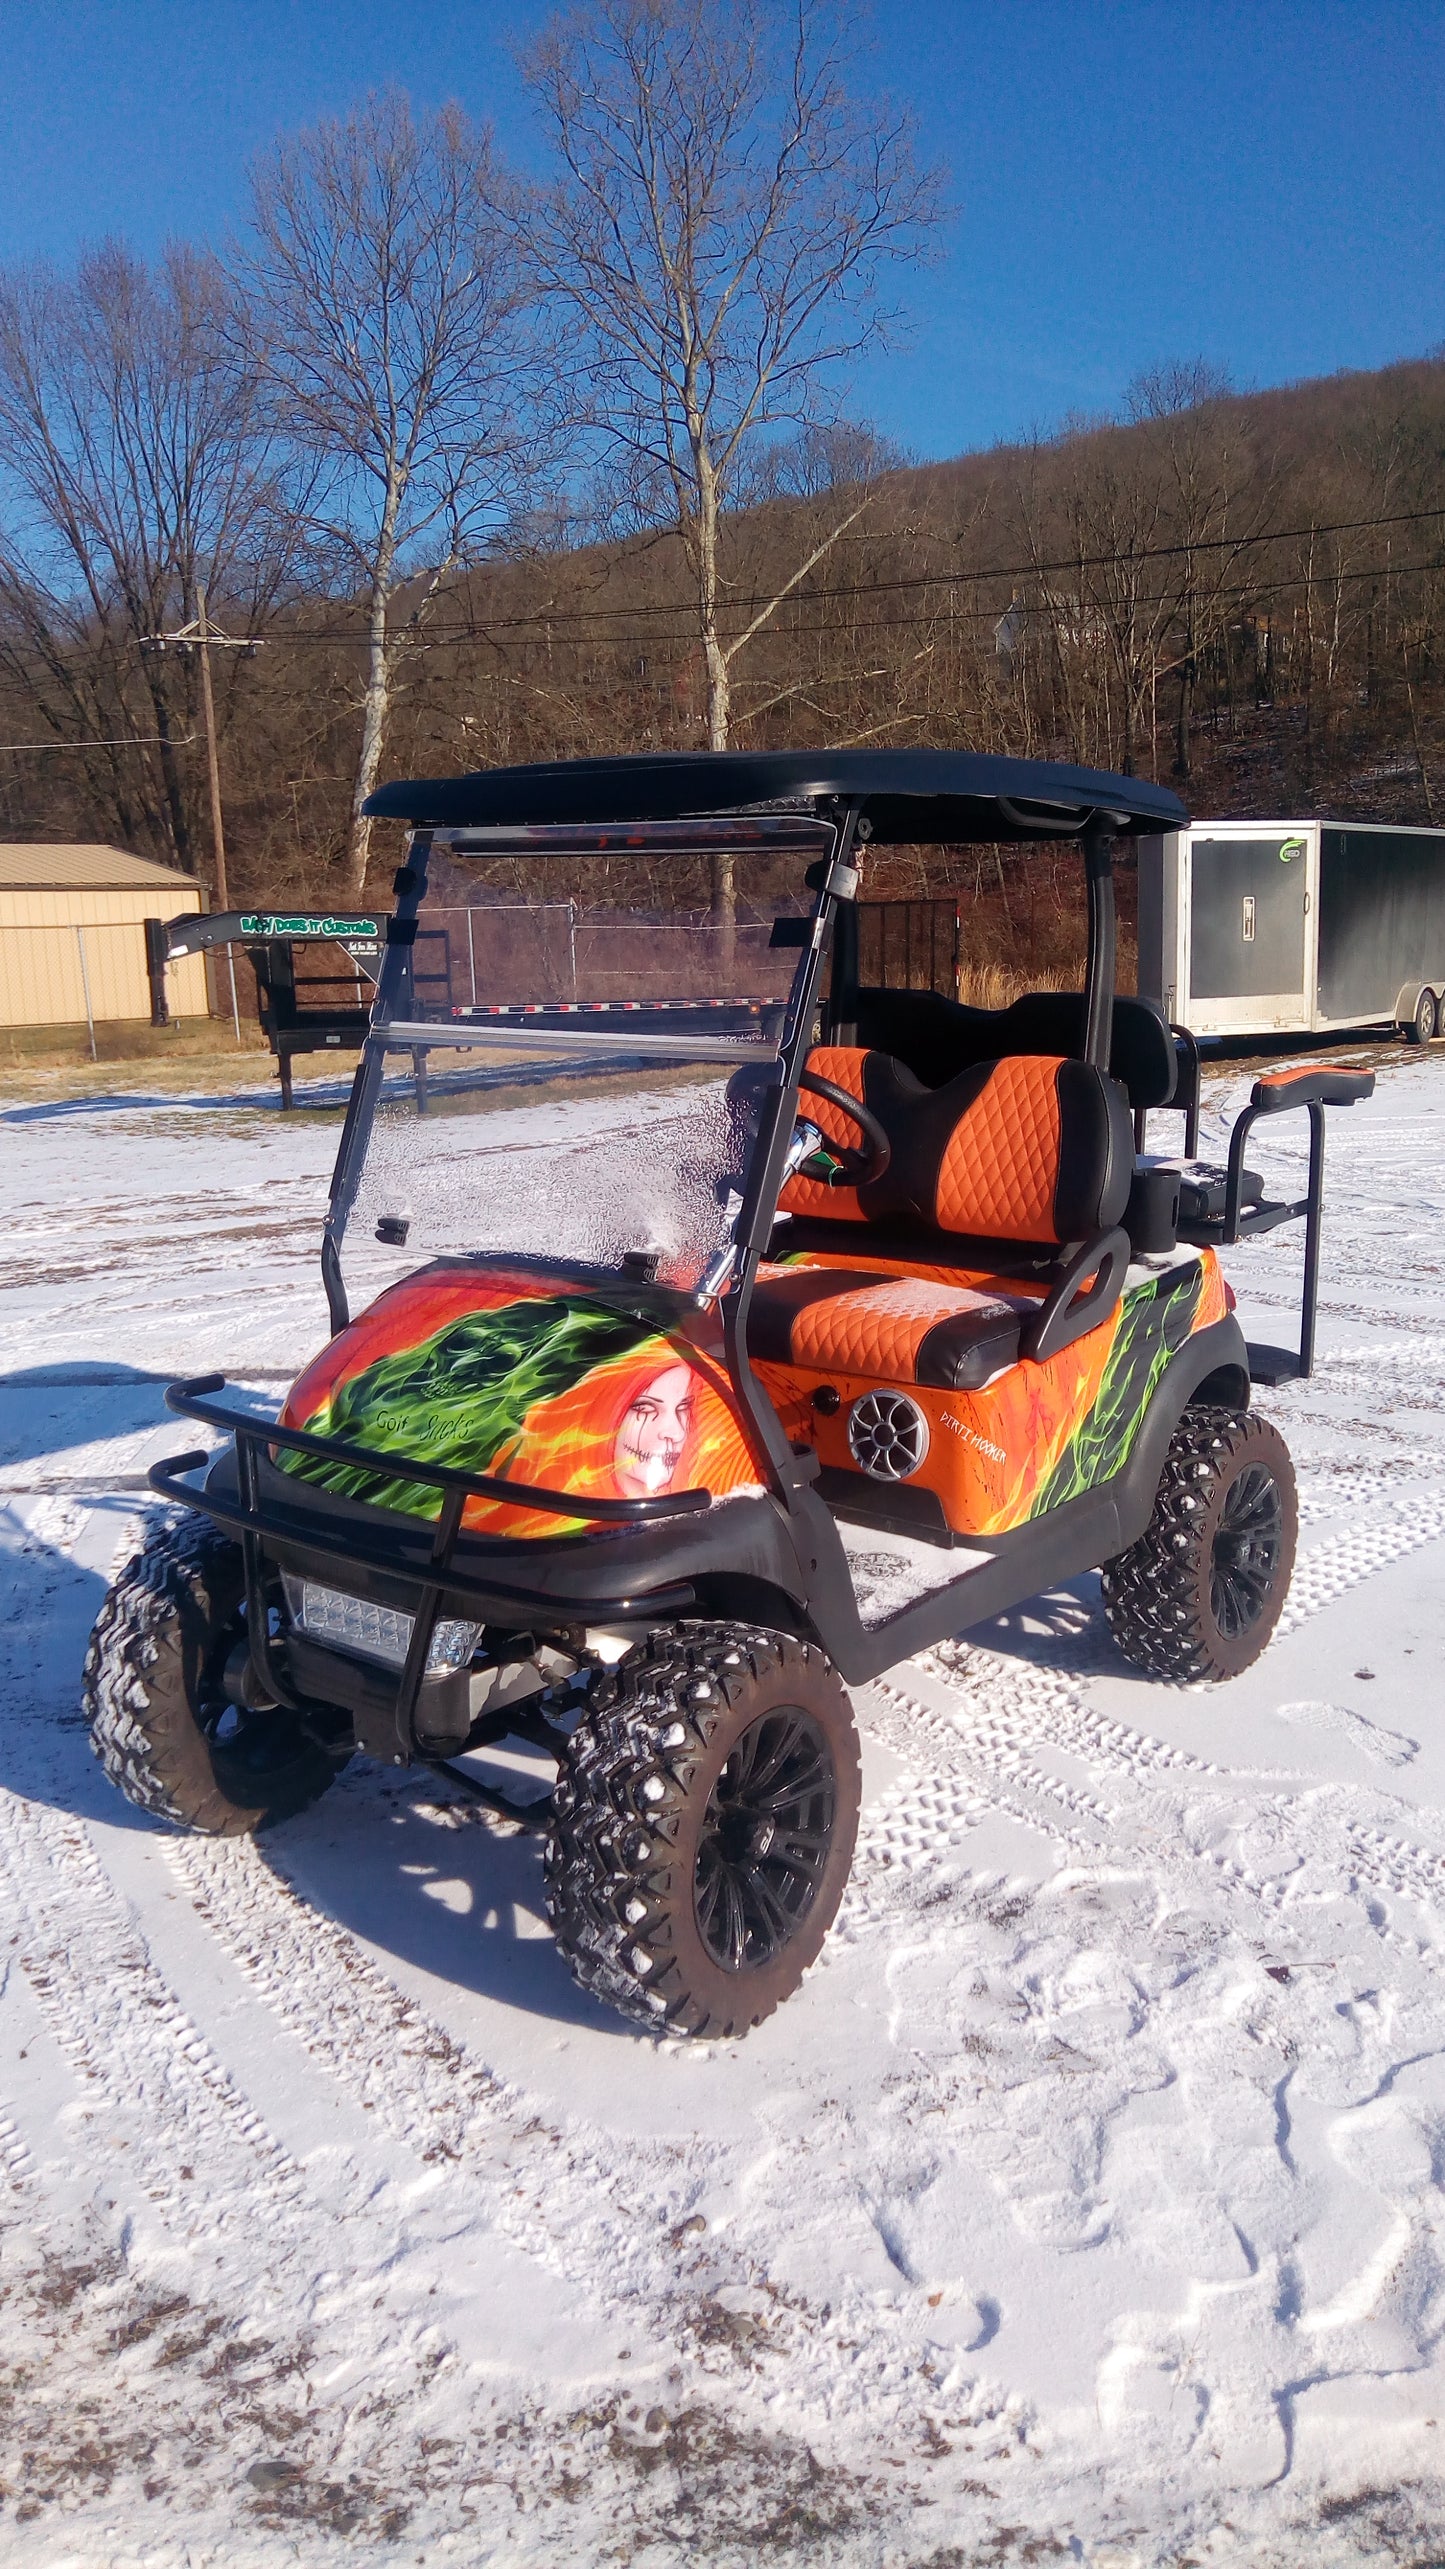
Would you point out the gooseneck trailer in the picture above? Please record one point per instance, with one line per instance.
(1294, 927)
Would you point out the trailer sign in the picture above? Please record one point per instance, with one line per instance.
(264, 924)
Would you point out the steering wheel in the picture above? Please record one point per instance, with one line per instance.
(855, 1167)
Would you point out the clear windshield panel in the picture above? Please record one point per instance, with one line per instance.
(642, 931)
(613, 1165)
(576, 1071)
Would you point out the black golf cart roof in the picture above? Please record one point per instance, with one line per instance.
(908, 795)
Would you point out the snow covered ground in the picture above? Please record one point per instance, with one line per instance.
(1085, 2205)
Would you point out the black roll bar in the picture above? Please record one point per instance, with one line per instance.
(192, 1400)
(438, 1575)
(1098, 843)
(834, 879)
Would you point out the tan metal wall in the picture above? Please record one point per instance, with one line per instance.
(53, 942)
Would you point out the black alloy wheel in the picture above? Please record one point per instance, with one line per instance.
(1245, 1553)
(1200, 1593)
(703, 1826)
(765, 1839)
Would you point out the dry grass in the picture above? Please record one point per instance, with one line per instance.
(997, 985)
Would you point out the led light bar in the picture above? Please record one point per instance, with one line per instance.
(378, 1633)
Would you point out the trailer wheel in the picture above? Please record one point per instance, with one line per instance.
(1424, 1025)
(1201, 1591)
(703, 1826)
(160, 1720)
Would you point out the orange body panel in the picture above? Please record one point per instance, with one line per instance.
(416, 1373)
(509, 1373)
(1027, 1440)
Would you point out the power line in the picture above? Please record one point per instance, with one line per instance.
(787, 627)
(555, 615)
(545, 618)
(126, 740)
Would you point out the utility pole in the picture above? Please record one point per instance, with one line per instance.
(203, 637)
(218, 833)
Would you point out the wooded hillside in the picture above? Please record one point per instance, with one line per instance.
(1238, 594)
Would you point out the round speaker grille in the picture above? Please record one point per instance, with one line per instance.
(887, 1435)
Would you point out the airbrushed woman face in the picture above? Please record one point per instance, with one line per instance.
(653, 1433)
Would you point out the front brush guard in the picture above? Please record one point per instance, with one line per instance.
(431, 1570)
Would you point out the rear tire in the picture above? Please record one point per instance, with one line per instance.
(1425, 1024)
(159, 1719)
(1201, 1591)
(703, 1827)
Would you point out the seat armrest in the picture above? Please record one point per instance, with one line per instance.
(1087, 1285)
(1322, 1084)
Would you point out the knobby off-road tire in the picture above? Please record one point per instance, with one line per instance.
(1201, 1591)
(158, 1717)
(703, 1826)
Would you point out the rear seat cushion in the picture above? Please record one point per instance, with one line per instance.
(1033, 1147)
(895, 1329)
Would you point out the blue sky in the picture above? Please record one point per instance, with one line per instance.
(1135, 179)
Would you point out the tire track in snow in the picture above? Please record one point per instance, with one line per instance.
(1394, 1864)
(1330, 1570)
(131, 2045)
(16, 2163)
(605, 2215)
(393, 2059)
(984, 1747)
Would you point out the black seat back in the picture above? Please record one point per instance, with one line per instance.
(936, 1038)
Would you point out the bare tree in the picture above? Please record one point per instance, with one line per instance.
(717, 234)
(134, 465)
(383, 271)
(1219, 502)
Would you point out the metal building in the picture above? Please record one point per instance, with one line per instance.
(1294, 927)
(72, 935)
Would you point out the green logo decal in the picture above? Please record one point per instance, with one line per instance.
(261, 923)
(1292, 848)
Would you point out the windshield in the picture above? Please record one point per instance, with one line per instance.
(574, 1073)
(640, 930)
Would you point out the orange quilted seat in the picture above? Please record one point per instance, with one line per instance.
(1035, 1148)
(884, 1328)
(1000, 1166)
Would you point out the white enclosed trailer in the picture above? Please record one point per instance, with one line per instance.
(1294, 927)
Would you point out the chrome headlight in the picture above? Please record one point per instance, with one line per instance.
(379, 1633)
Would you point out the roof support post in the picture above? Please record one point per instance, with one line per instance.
(394, 985)
(1099, 982)
(791, 1470)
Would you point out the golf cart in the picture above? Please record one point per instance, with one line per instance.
(862, 1321)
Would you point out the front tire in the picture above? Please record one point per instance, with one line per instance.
(160, 1722)
(1425, 1024)
(1201, 1591)
(703, 1827)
